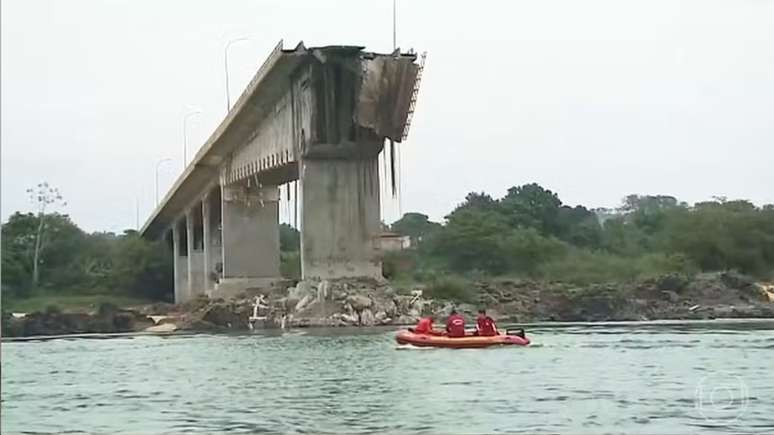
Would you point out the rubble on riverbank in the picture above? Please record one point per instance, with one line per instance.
(332, 303)
(371, 302)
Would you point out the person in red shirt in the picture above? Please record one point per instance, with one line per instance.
(455, 325)
(485, 325)
(424, 326)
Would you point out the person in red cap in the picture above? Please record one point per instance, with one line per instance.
(455, 325)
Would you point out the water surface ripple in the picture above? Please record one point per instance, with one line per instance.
(637, 378)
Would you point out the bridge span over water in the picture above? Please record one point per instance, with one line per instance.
(320, 116)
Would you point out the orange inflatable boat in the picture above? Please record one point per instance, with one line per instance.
(467, 342)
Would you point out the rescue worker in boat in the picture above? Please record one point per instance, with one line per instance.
(455, 325)
(485, 325)
(425, 326)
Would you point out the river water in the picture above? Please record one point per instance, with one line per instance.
(634, 378)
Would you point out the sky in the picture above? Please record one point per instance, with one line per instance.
(594, 100)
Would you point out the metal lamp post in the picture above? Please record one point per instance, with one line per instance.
(225, 64)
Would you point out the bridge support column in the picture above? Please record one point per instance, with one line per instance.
(340, 222)
(211, 224)
(180, 260)
(193, 219)
(207, 242)
(250, 232)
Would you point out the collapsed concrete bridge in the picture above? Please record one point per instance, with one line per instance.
(317, 117)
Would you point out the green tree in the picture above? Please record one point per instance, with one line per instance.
(44, 197)
(578, 226)
(532, 206)
(478, 201)
(57, 247)
(471, 239)
(18, 244)
(290, 238)
(723, 235)
(141, 267)
(624, 238)
(525, 249)
(78, 263)
(647, 203)
(415, 225)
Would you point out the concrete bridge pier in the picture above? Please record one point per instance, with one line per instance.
(250, 234)
(340, 221)
(212, 239)
(180, 263)
(193, 219)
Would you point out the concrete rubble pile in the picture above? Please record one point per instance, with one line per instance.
(341, 302)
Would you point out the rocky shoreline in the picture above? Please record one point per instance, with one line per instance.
(369, 302)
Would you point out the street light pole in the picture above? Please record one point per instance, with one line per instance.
(185, 136)
(394, 32)
(225, 65)
(158, 164)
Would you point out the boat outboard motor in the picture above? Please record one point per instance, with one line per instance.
(517, 332)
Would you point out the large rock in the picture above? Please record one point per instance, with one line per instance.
(224, 315)
(288, 304)
(323, 290)
(304, 302)
(387, 306)
(359, 302)
(339, 295)
(382, 318)
(403, 303)
(367, 318)
(303, 289)
(351, 319)
(409, 304)
(162, 328)
(197, 303)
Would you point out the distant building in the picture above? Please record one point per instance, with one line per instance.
(389, 241)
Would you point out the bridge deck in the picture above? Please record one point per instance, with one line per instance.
(270, 83)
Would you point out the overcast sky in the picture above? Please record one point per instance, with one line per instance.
(594, 99)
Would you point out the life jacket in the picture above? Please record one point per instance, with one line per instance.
(486, 326)
(424, 326)
(455, 326)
